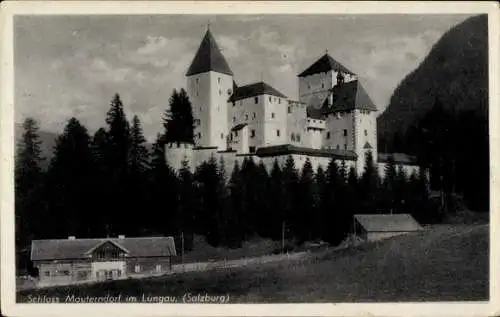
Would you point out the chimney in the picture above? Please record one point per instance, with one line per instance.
(121, 236)
(71, 238)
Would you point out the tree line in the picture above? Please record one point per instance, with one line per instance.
(109, 183)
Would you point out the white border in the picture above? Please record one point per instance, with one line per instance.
(10, 8)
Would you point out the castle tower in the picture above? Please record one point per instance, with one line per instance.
(209, 85)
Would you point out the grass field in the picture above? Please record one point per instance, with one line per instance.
(444, 263)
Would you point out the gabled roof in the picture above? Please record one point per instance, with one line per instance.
(315, 113)
(367, 146)
(59, 249)
(324, 64)
(253, 90)
(388, 223)
(209, 58)
(349, 96)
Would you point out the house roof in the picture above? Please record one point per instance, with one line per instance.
(367, 146)
(399, 158)
(287, 149)
(209, 58)
(315, 113)
(59, 249)
(324, 64)
(349, 96)
(388, 223)
(253, 90)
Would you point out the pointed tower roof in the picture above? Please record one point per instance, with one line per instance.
(324, 64)
(209, 58)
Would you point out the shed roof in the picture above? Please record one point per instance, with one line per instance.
(59, 249)
(287, 149)
(399, 158)
(253, 90)
(388, 223)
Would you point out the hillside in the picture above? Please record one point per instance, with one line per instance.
(445, 263)
(455, 71)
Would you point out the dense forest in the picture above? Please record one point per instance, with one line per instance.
(439, 113)
(109, 183)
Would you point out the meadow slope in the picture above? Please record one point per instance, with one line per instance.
(444, 263)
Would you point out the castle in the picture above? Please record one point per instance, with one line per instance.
(333, 118)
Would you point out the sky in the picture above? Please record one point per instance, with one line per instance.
(71, 66)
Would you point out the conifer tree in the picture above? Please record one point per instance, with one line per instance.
(369, 185)
(400, 191)
(28, 185)
(187, 204)
(250, 197)
(118, 149)
(178, 120)
(70, 183)
(139, 156)
(320, 221)
(102, 184)
(290, 196)
(235, 236)
(276, 197)
(390, 185)
(308, 204)
(262, 191)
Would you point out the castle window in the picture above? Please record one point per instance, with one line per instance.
(345, 146)
(279, 100)
(272, 115)
(256, 99)
(322, 85)
(289, 109)
(308, 86)
(253, 115)
(235, 133)
(338, 147)
(345, 132)
(137, 268)
(199, 135)
(246, 117)
(220, 92)
(222, 135)
(252, 133)
(251, 149)
(270, 99)
(278, 132)
(366, 133)
(298, 138)
(234, 119)
(234, 103)
(328, 135)
(293, 137)
(218, 80)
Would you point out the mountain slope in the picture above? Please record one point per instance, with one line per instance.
(455, 71)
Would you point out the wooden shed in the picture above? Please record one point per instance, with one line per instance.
(380, 226)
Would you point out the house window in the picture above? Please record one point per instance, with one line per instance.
(158, 268)
(65, 273)
(278, 132)
(289, 109)
(272, 115)
(137, 268)
(366, 133)
(256, 99)
(253, 115)
(252, 133)
(328, 135)
(47, 274)
(345, 132)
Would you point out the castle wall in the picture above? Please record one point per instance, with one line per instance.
(365, 130)
(208, 93)
(296, 122)
(252, 113)
(275, 120)
(339, 132)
